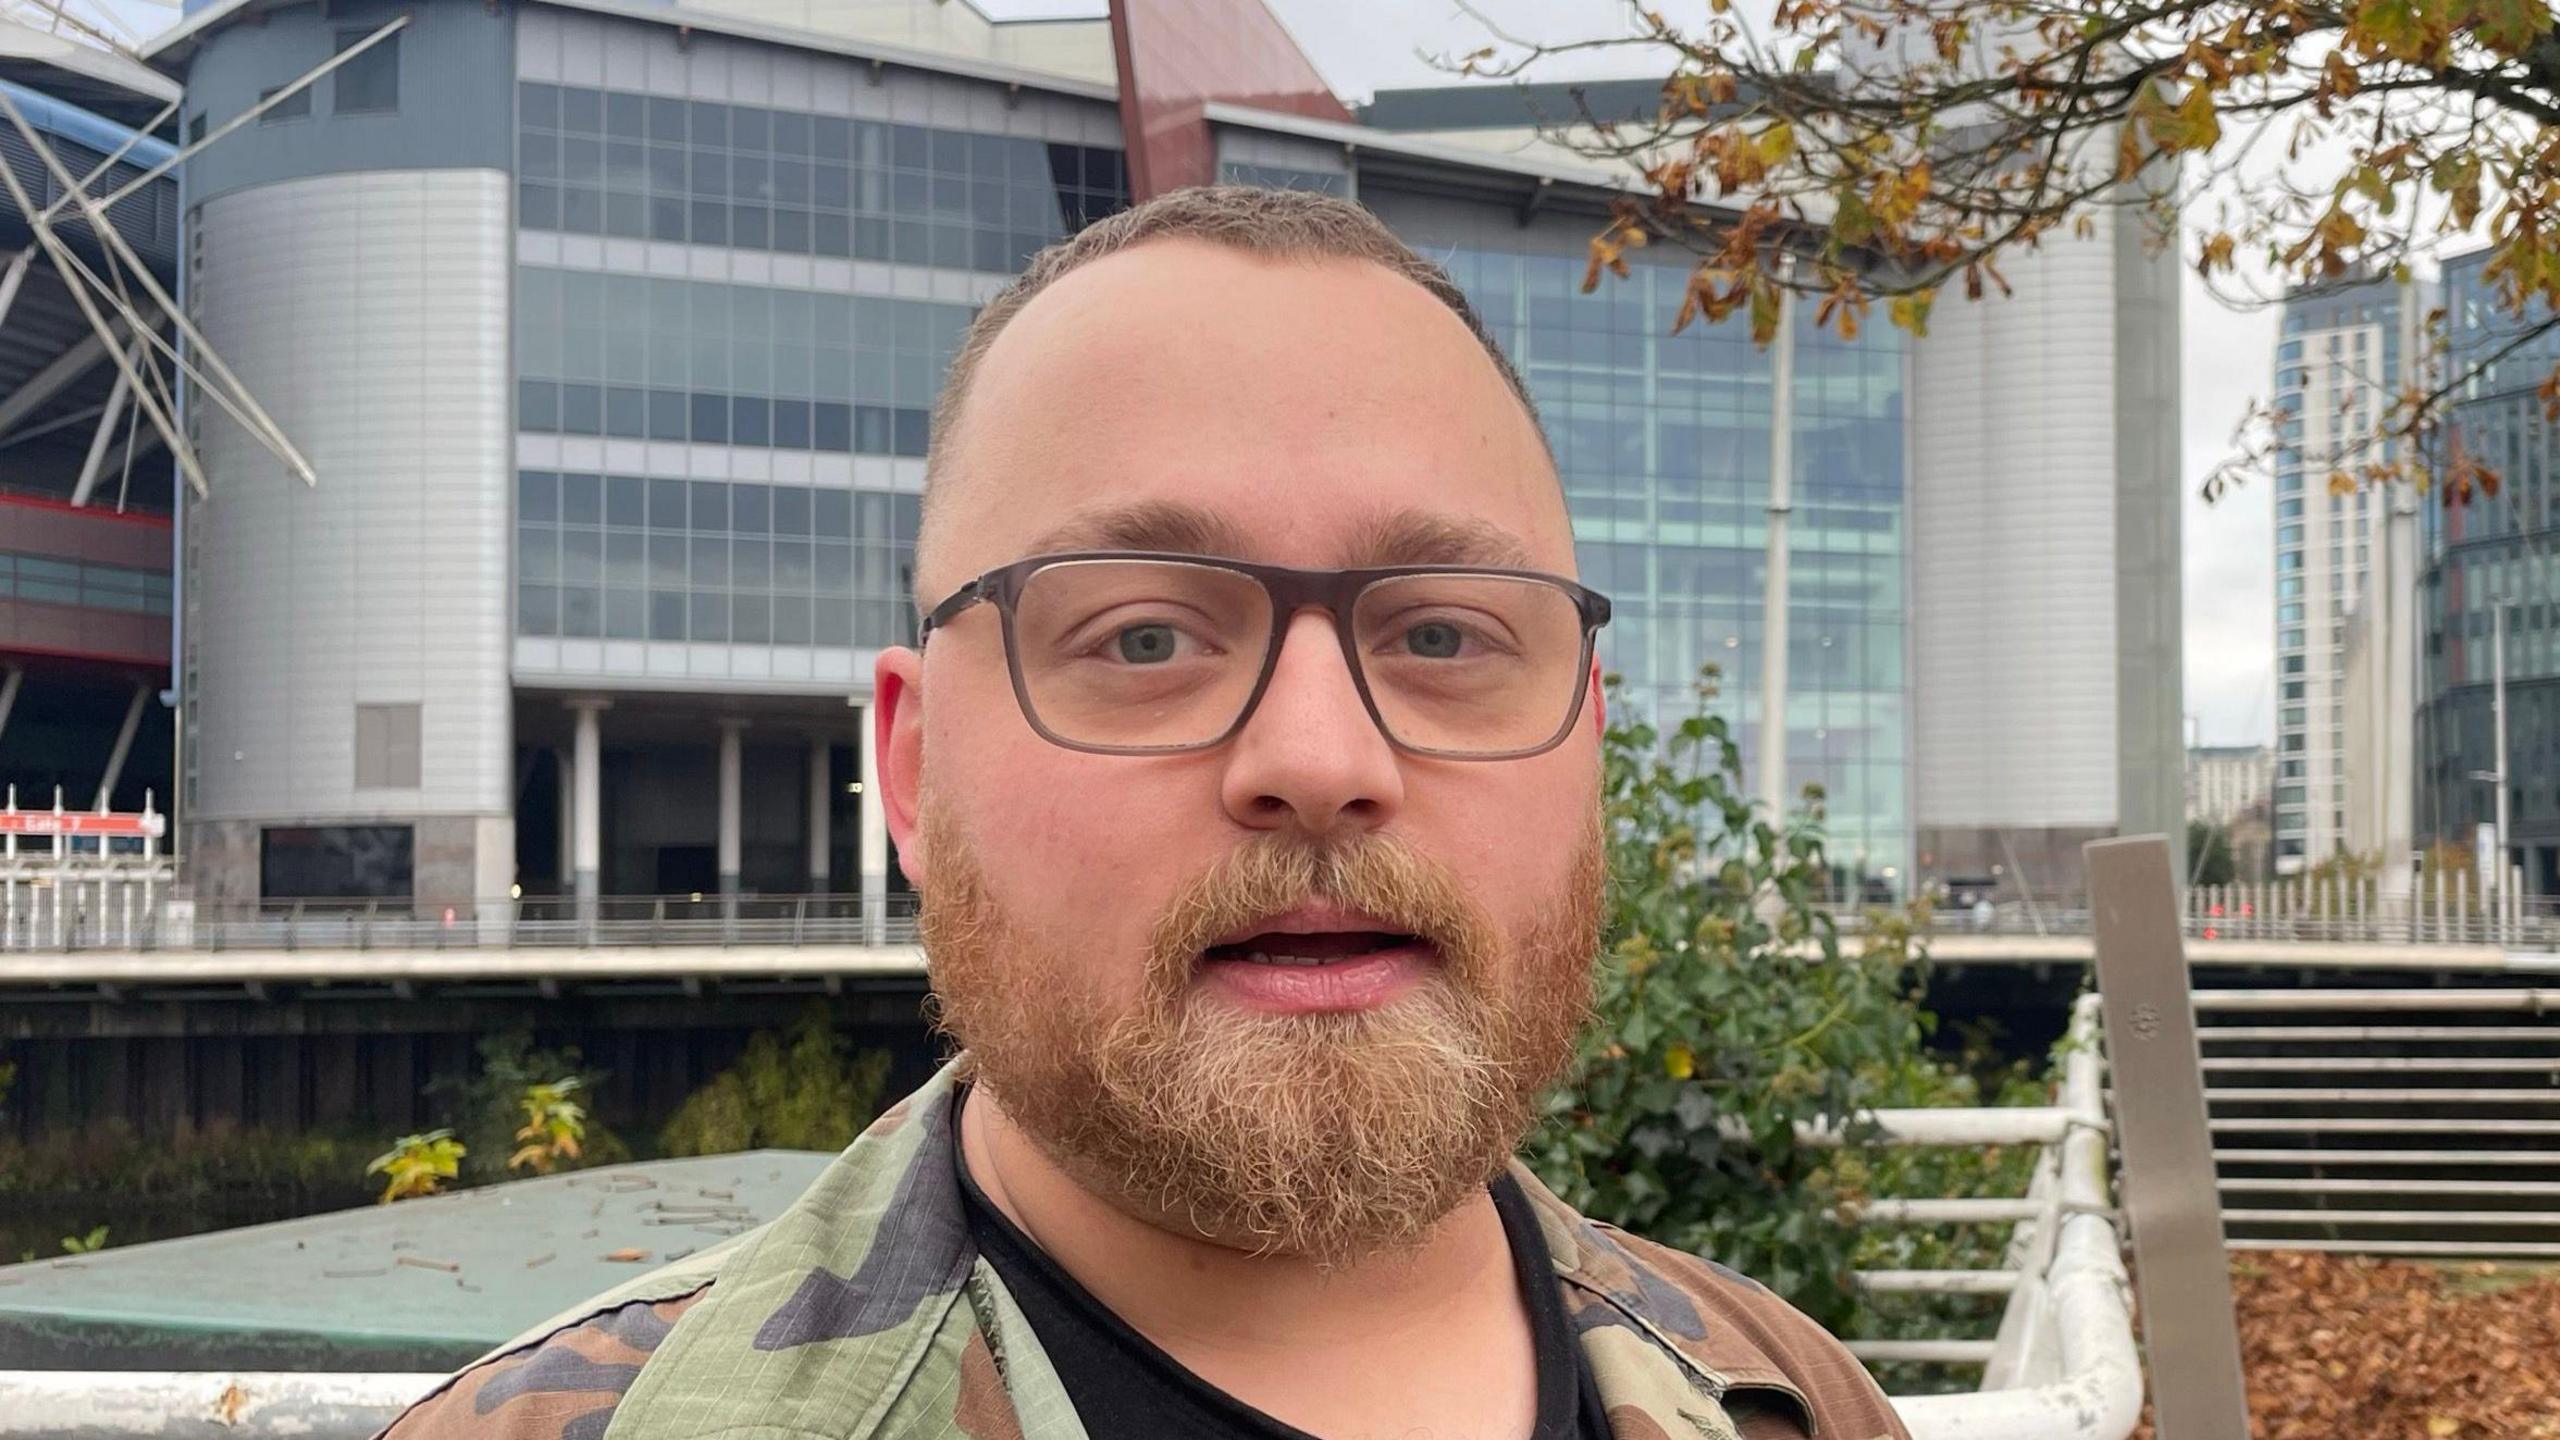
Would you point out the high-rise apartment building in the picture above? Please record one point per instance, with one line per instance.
(2225, 782)
(2340, 359)
(2496, 552)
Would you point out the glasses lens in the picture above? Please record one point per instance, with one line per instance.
(1470, 664)
(1139, 654)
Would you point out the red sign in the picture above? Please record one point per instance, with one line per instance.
(74, 822)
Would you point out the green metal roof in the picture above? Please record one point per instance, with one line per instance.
(422, 1285)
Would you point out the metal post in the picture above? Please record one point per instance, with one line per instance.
(588, 844)
(2498, 723)
(732, 764)
(2182, 1274)
(821, 797)
(1773, 601)
(2515, 903)
(124, 747)
(9, 684)
(873, 836)
(9, 867)
(564, 766)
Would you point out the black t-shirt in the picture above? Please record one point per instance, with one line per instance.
(1125, 1388)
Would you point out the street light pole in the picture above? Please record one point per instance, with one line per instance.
(2498, 722)
(1773, 604)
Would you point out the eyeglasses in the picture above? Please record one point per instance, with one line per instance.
(1134, 653)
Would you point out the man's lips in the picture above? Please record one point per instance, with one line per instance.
(1316, 918)
(1317, 958)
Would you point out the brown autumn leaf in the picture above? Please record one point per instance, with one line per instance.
(2336, 1345)
(627, 1257)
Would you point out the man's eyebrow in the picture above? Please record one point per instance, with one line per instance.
(1163, 525)
(1420, 537)
(1404, 537)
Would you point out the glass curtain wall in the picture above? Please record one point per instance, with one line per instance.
(1663, 441)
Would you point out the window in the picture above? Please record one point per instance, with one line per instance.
(336, 862)
(387, 747)
(370, 83)
(296, 106)
(195, 129)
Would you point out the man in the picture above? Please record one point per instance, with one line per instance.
(1248, 765)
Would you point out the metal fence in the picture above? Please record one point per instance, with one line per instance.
(2061, 1367)
(123, 912)
(2447, 910)
(2421, 1122)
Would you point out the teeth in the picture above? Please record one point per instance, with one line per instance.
(1261, 958)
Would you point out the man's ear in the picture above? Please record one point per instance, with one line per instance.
(1598, 700)
(897, 730)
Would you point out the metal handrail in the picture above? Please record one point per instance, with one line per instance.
(2433, 913)
(85, 921)
(2063, 1365)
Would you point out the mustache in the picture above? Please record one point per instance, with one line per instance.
(1378, 875)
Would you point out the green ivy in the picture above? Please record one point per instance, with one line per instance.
(1731, 1010)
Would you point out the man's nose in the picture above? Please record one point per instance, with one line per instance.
(1310, 758)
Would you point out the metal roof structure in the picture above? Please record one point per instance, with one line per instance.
(422, 1285)
(55, 379)
(88, 264)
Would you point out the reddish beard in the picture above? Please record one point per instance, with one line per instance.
(1324, 1135)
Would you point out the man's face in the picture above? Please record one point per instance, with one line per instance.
(1101, 926)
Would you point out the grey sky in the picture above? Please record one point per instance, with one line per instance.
(1362, 45)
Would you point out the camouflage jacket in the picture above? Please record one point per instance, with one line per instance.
(864, 1312)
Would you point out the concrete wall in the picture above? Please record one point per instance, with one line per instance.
(2013, 550)
(457, 96)
(369, 313)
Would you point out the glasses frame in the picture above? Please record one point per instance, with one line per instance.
(1336, 592)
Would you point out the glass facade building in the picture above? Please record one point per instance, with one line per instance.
(619, 360)
(836, 364)
(2338, 365)
(2495, 552)
(1663, 441)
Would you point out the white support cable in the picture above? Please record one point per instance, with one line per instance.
(124, 465)
(12, 278)
(115, 242)
(135, 137)
(249, 116)
(91, 464)
(107, 335)
(79, 273)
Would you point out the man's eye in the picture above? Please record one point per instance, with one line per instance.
(1146, 644)
(1435, 640)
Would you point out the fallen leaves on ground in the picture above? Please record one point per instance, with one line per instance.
(2340, 1346)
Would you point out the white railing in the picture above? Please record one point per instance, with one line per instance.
(2399, 1121)
(2442, 909)
(2062, 1366)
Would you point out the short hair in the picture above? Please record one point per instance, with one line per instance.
(1287, 223)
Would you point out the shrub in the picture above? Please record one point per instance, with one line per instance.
(801, 1090)
(1730, 1011)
